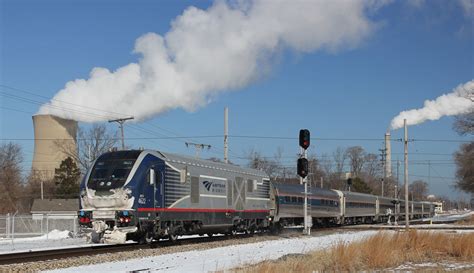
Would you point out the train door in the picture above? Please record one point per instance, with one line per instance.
(156, 181)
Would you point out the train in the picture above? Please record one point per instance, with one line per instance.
(148, 195)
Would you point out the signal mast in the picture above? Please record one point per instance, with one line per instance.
(302, 170)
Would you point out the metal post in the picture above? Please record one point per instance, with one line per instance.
(429, 172)
(13, 226)
(307, 228)
(398, 174)
(405, 154)
(47, 226)
(8, 225)
(41, 182)
(322, 179)
(226, 135)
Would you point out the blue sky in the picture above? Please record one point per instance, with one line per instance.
(417, 53)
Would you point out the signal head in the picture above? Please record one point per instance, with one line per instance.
(304, 138)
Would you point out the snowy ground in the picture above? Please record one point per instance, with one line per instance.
(54, 239)
(452, 217)
(223, 257)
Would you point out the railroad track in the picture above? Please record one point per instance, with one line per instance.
(64, 253)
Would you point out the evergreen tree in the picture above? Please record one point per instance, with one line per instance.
(359, 185)
(66, 178)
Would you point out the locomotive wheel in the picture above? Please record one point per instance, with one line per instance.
(252, 231)
(173, 237)
(148, 237)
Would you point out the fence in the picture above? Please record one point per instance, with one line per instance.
(23, 226)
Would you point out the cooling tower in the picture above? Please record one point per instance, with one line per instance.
(54, 138)
(388, 156)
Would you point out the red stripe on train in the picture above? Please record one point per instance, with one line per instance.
(197, 210)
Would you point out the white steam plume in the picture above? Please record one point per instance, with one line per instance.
(458, 102)
(207, 52)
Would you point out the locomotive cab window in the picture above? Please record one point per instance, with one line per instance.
(109, 173)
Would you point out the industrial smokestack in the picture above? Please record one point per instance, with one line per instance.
(388, 155)
(50, 133)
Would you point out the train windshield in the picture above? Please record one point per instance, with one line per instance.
(110, 172)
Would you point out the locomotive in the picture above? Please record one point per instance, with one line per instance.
(146, 195)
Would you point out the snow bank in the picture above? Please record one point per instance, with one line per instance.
(222, 258)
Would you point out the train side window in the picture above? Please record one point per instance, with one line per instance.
(293, 199)
(194, 189)
(300, 200)
(287, 199)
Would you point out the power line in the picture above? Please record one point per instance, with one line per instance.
(61, 101)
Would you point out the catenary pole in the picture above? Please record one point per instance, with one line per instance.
(405, 155)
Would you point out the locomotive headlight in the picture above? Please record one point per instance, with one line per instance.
(124, 217)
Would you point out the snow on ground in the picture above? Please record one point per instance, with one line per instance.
(54, 239)
(452, 217)
(223, 257)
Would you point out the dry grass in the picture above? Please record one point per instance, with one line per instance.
(381, 251)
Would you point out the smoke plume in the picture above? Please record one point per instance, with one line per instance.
(207, 52)
(458, 102)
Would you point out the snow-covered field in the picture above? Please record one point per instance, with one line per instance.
(223, 257)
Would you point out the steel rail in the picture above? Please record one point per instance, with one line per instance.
(64, 253)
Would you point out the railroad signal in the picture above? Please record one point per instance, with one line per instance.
(304, 138)
(302, 167)
(349, 181)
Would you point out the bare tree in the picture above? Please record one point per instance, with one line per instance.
(357, 157)
(464, 159)
(418, 190)
(90, 145)
(339, 157)
(464, 124)
(372, 165)
(10, 176)
(326, 164)
(269, 166)
(316, 173)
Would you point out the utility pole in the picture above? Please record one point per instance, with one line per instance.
(226, 135)
(384, 158)
(429, 172)
(121, 121)
(198, 147)
(322, 180)
(405, 155)
(398, 179)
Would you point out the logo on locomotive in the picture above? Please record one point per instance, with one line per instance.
(214, 186)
